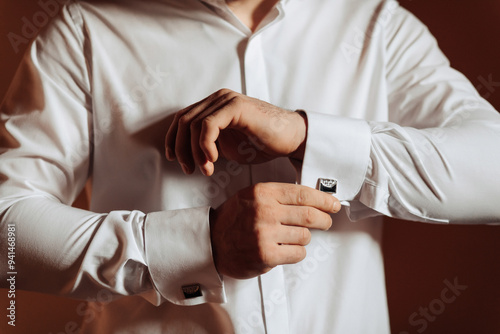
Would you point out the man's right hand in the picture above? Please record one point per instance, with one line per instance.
(267, 225)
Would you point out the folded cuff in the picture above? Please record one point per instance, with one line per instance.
(179, 256)
(337, 148)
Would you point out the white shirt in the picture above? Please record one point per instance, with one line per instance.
(403, 133)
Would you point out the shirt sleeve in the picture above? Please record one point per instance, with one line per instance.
(45, 161)
(436, 159)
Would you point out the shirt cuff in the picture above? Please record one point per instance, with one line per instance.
(337, 148)
(179, 256)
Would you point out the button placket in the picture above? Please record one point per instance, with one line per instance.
(274, 301)
(273, 294)
(256, 82)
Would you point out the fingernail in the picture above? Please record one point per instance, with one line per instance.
(336, 206)
(207, 168)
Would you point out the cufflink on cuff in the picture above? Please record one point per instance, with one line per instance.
(192, 291)
(327, 185)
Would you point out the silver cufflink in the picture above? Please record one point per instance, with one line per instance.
(328, 185)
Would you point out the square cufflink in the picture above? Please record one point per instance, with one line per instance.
(192, 291)
(328, 185)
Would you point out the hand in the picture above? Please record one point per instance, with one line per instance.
(267, 225)
(233, 124)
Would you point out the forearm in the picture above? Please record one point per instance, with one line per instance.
(76, 252)
(81, 254)
(443, 174)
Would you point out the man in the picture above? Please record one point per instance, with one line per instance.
(212, 239)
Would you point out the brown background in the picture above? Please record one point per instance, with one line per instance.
(419, 257)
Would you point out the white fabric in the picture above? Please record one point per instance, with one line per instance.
(403, 133)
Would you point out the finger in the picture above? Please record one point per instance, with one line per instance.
(204, 161)
(189, 112)
(184, 144)
(286, 254)
(294, 194)
(198, 155)
(293, 235)
(170, 138)
(225, 116)
(306, 216)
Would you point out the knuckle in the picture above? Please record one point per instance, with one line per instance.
(222, 92)
(179, 114)
(259, 190)
(194, 125)
(235, 99)
(232, 101)
(305, 236)
(183, 120)
(207, 121)
(264, 255)
(302, 196)
(239, 99)
(309, 214)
